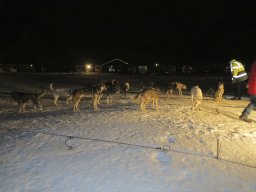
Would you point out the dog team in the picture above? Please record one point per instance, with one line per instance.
(147, 93)
(109, 88)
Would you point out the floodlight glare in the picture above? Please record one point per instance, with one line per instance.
(88, 66)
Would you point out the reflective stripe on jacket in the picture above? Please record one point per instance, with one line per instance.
(237, 70)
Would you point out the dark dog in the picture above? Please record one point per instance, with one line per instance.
(94, 92)
(112, 88)
(169, 89)
(22, 98)
(146, 85)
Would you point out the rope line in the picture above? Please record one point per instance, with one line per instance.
(164, 148)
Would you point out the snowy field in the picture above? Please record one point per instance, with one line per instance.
(118, 148)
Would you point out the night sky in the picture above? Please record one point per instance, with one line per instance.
(61, 33)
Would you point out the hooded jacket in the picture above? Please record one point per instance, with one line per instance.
(237, 70)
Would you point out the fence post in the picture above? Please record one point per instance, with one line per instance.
(218, 148)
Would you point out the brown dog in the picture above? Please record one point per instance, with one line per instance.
(175, 85)
(219, 93)
(180, 86)
(146, 96)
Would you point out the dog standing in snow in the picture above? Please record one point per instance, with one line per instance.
(60, 92)
(175, 85)
(22, 98)
(95, 92)
(146, 96)
(196, 97)
(125, 88)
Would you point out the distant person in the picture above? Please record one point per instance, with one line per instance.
(239, 76)
(252, 92)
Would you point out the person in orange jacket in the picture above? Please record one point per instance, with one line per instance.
(252, 92)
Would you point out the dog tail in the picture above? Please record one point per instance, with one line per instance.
(42, 94)
(50, 87)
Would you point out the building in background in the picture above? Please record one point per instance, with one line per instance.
(116, 66)
(79, 68)
(98, 68)
(26, 68)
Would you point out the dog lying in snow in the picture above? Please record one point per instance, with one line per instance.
(22, 98)
(196, 97)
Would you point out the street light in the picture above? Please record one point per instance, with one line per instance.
(88, 67)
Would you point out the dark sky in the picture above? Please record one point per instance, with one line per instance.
(141, 32)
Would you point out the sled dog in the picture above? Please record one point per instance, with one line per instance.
(112, 88)
(146, 96)
(196, 97)
(180, 86)
(169, 89)
(219, 93)
(125, 88)
(61, 92)
(175, 85)
(95, 93)
(22, 98)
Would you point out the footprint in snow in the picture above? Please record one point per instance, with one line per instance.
(162, 157)
(171, 139)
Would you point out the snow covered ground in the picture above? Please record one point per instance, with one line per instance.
(116, 148)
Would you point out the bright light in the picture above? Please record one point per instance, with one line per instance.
(31, 65)
(88, 66)
(157, 64)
